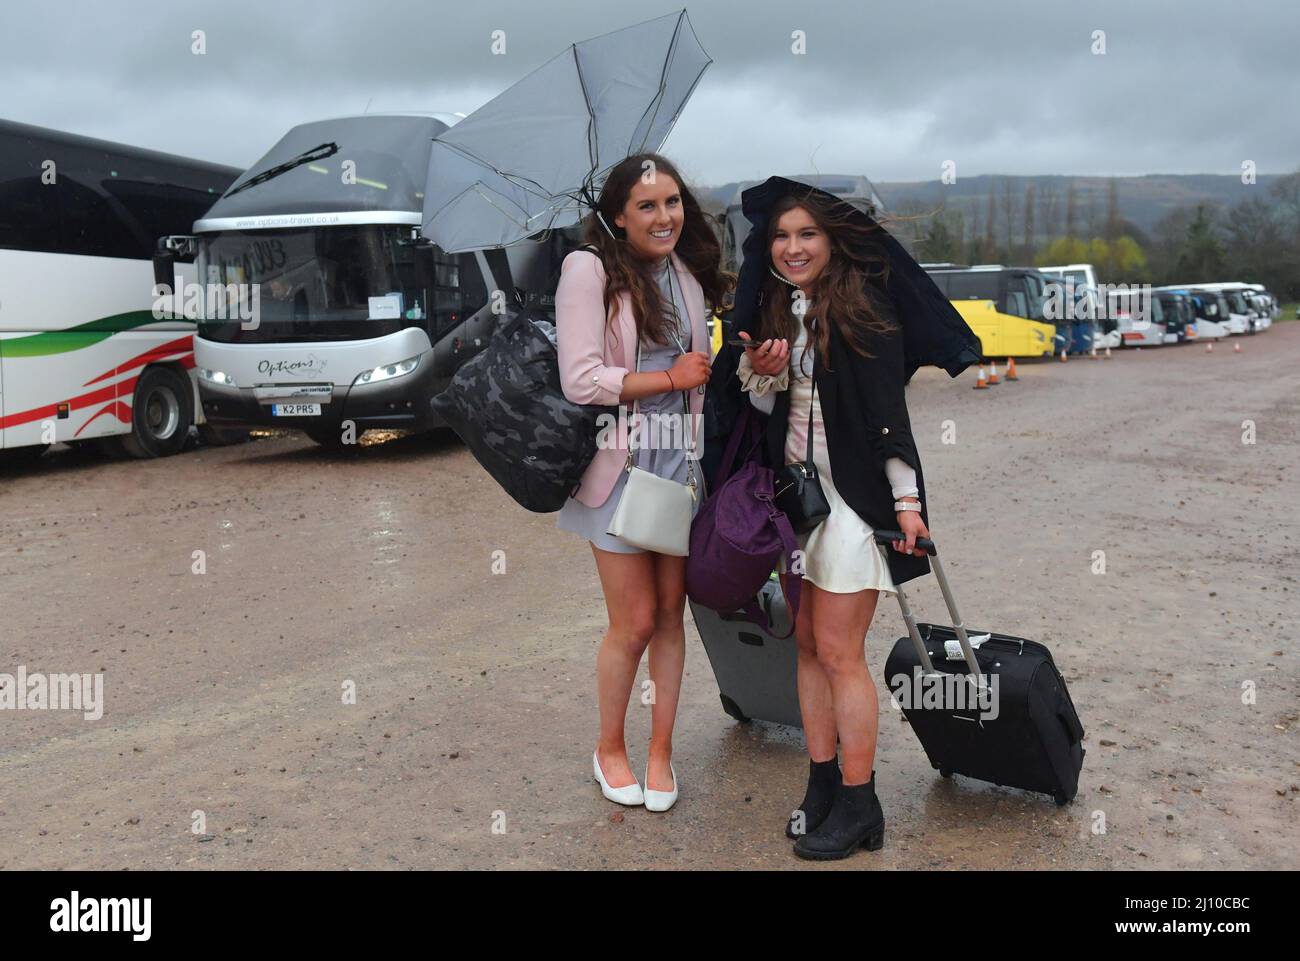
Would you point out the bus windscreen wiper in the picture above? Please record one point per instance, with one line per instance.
(315, 153)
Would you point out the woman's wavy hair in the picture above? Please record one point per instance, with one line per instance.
(697, 246)
(857, 262)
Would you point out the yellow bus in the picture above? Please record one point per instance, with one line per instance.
(1003, 306)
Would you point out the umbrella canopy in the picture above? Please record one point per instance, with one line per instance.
(933, 332)
(530, 158)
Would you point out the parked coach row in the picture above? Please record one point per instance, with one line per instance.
(360, 321)
(359, 318)
(1039, 312)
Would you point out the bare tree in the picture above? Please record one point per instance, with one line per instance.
(1113, 225)
(1094, 214)
(1029, 222)
(1008, 214)
(990, 238)
(1051, 201)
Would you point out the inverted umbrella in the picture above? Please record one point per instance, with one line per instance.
(530, 158)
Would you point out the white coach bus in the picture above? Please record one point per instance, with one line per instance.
(361, 320)
(82, 357)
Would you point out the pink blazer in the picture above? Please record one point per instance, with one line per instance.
(595, 356)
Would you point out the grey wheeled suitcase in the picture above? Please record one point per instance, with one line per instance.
(1016, 726)
(755, 668)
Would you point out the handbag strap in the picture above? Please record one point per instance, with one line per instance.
(633, 426)
(752, 611)
(686, 400)
(808, 456)
(746, 423)
(811, 400)
(686, 405)
(788, 540)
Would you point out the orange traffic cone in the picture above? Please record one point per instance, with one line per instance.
(1011, 369)
(1236, 348)
(1093, 353)
(993, 372)
(981, 384)
(1063, 355)
(1209, 346)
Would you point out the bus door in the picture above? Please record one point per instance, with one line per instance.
(458, 312)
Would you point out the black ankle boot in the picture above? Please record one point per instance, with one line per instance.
(823, 783)
(855, 819)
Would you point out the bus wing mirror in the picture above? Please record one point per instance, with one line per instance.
(164, 268)
(171, 250)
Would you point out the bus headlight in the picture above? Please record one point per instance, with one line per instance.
(217, 377)
(388, 371)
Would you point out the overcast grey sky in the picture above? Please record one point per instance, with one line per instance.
(886, 89)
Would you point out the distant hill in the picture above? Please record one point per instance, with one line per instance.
(716, 199)
(1142, 200)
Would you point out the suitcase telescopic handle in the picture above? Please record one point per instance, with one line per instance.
(886, 538)
(883, 540)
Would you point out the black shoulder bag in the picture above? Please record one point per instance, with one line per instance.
(798, 490)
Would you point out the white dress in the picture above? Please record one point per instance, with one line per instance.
(839, 554)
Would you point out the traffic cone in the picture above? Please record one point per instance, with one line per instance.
(1236, 348)
(993, 372)
(1209, 346)
(1108, 353)
(1011, 369)
(981, 384)
(1063, 355)
(1093, 353)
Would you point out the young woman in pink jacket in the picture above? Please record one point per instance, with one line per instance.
(657, 265)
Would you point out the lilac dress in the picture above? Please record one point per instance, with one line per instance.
(668, 459)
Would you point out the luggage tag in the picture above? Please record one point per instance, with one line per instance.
(953, 647)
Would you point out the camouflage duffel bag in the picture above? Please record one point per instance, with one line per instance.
(507, 405)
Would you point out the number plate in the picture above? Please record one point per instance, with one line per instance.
(295, 410)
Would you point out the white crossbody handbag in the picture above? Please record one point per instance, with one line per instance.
(654, 513)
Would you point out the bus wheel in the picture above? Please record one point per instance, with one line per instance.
(162, 413)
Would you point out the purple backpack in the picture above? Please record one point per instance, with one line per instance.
(738, 534)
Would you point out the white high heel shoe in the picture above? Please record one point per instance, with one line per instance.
(630, 794)
(660, 800)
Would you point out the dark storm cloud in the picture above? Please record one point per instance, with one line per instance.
(891, 90)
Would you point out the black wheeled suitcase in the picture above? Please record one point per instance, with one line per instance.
(755, 668)
(1017, 727)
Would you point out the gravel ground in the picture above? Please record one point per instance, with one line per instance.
(470, 740)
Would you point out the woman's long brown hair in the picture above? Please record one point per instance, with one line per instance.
(839, 292)
(697, 246)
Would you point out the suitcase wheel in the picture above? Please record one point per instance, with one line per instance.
(733, 709)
